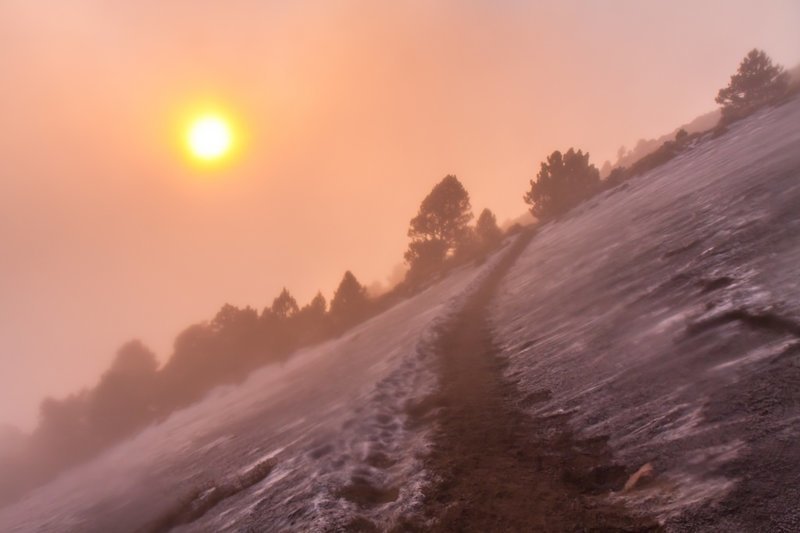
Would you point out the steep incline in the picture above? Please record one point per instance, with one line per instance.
(665, 317)
(658, 323)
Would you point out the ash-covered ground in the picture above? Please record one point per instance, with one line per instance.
(665, 315)
(658, 323)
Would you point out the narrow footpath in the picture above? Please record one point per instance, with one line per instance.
(496, 469)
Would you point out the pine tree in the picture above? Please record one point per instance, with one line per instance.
(487, 230)
(349, 302)
(563, 182)
(757, 82)
(440, 225)
(284, 305)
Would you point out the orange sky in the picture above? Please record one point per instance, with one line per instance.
(352, 110)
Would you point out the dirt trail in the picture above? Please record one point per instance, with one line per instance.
(496, 468)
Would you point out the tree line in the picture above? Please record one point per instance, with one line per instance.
(135, 392)
(566, 180)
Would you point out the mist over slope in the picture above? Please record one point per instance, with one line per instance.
(660, 317)
(643, 147)
(293, 447)
(702, 123)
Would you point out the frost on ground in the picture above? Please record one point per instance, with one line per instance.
(665, 314)
(660, 320)
(314, 445)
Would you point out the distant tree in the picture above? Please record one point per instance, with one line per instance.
(487, 230)
(444, 214)
(424, 257)
(195, 366)
(756, 83)
(236, 333)
(62, 434)
(134, 359)
(349, 302)
(123, 400)
(606, 169)
(231, 319)
(191, 340)
(441, 223)
(318, 306)
(616, 176)
(284, 306)
(312, 319)
(681, 136)
(470, 245)
(134, 391)
(563, 182)
(642, 148)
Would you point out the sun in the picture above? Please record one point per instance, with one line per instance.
(209, 137)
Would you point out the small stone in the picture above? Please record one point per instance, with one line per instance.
(645, 472)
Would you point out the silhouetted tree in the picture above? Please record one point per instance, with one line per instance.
(231, 320)
(312, 319)
(424, 258)
(61, 436)
(134, 391)
(349, 304)
(237, 339)
(642, 148)
(284, 305)
(124, 399)
(195, 366)
(487, 230)
(317, 307)
(756, 83)
(616, 176)
(468, 246)
(273, 331)
(606, 169)
(440, 224)
(563, 182)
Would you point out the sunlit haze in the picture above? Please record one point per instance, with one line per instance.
(336, 119)
(209, 137)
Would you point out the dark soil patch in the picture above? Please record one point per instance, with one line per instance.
(379, 460)
(535, 397)
(715, 284)
(681, 249)
(360, 524)
(364, 494)
(757, 320)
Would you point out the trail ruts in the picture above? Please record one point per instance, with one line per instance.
(496, 469)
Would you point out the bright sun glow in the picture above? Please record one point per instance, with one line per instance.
(209, 137)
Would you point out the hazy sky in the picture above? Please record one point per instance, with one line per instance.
(352, 111)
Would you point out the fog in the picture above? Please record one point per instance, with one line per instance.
(350, 112)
